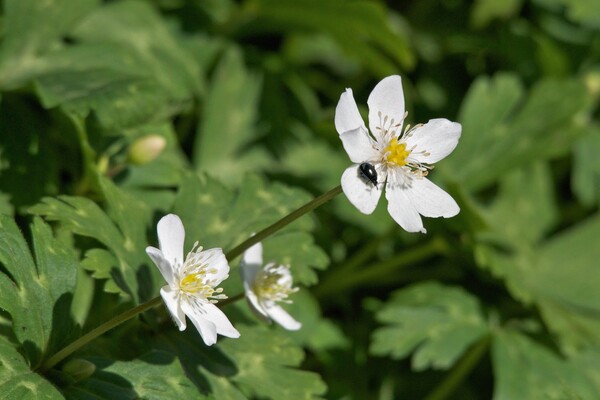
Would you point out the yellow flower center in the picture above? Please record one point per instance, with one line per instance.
(197, 280)
(396, 153)
(271, 284)
(194, 284)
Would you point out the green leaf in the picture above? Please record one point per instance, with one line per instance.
(128, 67)
(585, 179)
(262, 363)
(216, 216)
(264, 356)
(114, 96)
(5, 207)
(518, 220)
(582, 11)
(298, 250)
(318, 333)
(438, 323)
(122, 229)
(362, 28)
(503, 129)
(29, 161)
(525, 208)
(17, 381)
(36, 287)
(484, 11)
(572, 308)
(22, 44)
(588, 362)
(155, 375)
(223, 142)
(139, 28)
(526, 370)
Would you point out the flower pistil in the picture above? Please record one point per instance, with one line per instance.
(396, 153)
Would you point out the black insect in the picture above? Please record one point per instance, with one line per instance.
(367, 171)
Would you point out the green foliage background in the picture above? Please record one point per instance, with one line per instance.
(499, 302)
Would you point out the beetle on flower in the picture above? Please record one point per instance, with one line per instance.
(401, 159)
(266, 286)
(192, 282)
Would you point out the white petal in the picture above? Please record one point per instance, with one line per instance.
(430, 200)
(217, 261)
(217, 317)
(249, 272)
(253, 255)
(438, 137)
(362, 194)
(165, 268)
(386, 98)
(255, 304)
(171, 299)
(205, 328)
(359, 145)
(171, 236)
(347, 117)
(401, 208)
(281, 316)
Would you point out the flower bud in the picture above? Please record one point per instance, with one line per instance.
(146, 149)
(592, 82)
(79, 369)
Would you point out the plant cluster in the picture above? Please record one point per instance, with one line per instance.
(190, 199)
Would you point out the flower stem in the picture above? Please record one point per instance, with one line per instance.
(461, 370)
(94, 333)
(231, 299)
(108, 325)
(291, 217)
(357, 260)
(342, 279)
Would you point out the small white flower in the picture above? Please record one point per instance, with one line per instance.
(266, 286)
(401, 159)
(192, 282)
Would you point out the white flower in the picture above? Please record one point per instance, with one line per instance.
(401, 159)
(266, 286)
(192, 281)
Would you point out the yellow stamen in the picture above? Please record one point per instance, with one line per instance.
(396, 153)
(271, 284)
(194, 283)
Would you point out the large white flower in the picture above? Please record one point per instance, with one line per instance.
(266, 286)
(401, 159)
(192, 282)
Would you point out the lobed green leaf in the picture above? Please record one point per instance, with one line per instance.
(154, 376)
(36, 288)
(122, 229)
(503, 129)
(438, 323)
(524, 369)
(17, 381)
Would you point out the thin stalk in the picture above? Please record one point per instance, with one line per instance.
(88, 156)
(230, 300)
(358, 259)
(294, 215)
(461, 370)
(108, 325)
(94, 333)
(383, 269)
